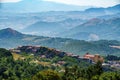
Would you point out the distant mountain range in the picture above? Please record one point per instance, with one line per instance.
(109, 10)
(96, 29)
(27, 6)
(91, 24)
(10, 38)
(52, 28)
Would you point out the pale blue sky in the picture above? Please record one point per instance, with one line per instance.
(97, 3)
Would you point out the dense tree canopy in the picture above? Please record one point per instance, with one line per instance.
(4, 53)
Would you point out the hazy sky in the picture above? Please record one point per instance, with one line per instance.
(98, 3)
(10, 0)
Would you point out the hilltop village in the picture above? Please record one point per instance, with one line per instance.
(44, 52)
(52, 52)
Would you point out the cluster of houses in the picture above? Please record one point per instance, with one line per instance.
(94, 58)
(112, 64)
(88, 57)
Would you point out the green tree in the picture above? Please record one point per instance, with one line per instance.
(47, 75)
(110, 76)
(4, 53)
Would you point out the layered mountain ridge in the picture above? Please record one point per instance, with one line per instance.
(67, 45)
(103, 29)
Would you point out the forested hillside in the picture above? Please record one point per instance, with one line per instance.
(24, 66)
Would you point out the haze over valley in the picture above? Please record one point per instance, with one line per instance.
(80, 25)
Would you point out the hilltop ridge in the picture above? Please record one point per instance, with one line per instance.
(9, 33)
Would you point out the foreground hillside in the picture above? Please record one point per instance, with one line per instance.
(28, 65)
(10, 38)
